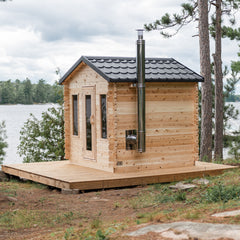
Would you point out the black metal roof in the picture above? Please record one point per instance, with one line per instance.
(123, 69)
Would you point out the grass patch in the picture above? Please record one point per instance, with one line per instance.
(144, 200)
(18, 219)
(221, 193)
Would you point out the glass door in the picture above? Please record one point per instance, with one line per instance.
(89, 125)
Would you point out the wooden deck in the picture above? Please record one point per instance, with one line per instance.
(64, 175)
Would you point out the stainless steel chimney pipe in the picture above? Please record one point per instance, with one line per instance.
(141, 91)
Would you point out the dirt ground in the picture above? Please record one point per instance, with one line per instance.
(102, 206)
(33, 211)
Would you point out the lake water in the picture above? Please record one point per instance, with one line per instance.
(16, 115)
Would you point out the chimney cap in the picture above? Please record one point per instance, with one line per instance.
(140, 33)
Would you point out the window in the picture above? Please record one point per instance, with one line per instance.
(88, 123)
(75, 114)
(103, 103)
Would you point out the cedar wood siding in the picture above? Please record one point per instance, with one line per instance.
(74, 149)
(171, 124)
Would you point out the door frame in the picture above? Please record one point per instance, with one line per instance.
(89, 90)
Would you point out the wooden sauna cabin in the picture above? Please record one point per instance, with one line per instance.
(101, 110)
(128, 121)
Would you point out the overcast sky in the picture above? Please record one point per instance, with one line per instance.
(37, 37)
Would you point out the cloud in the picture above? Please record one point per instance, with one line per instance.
(39, 36)
(80, 20)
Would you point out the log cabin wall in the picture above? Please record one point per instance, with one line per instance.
(171, 126)
(82, 78)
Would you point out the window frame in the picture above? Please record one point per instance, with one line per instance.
(103, 133)
(75, 111)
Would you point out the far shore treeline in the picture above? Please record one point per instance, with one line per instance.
(26, 92)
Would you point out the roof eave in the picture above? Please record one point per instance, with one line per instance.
(174, 80)
(76, 64)
(156, 80)
(66, 75)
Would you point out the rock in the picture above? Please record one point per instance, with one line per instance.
(201, 181)
(12, 199)
(176, 236)
(193, 230)
(96, 199)
(182, 186)
(66, 191)
(227, 214)
(7, 199)
(3, 176)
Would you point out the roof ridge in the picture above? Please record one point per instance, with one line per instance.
(126, 58)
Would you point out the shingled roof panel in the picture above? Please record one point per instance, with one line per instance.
(120, 69)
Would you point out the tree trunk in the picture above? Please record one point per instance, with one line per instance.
(206, 88)
(218, 138)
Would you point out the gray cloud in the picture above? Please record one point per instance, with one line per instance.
(38, 36)
(79, 20)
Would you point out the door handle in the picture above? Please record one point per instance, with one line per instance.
(92, 119)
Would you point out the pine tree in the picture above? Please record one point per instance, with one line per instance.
(218, 137)
(206, 89)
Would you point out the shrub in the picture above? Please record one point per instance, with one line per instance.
(3, 143)
(43, 140)
(223, 193)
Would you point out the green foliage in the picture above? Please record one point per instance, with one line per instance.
(7, 92)
(68, 233)
(43, 140)
(26, 92)
(188, 9)
(229, 110)
(181, 196)
(96, 223)
(233, 142)
(234, 146)
(164, 194)
(189, 13)
(232, 34)
(100, 235)
(220, 192)
(3, 143)
(175, 21)
(170, 197)
(166, 20)
(166, 198)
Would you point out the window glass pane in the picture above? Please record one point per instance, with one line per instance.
(103, 116)
(75, 115)
(88, 123)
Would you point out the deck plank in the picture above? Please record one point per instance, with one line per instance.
(62, 174)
